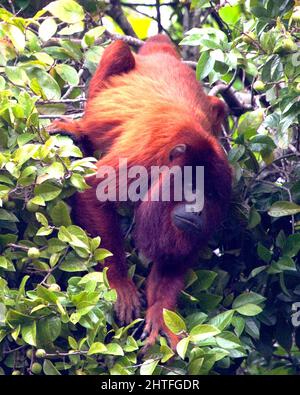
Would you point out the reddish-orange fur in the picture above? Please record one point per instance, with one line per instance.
(139, 107)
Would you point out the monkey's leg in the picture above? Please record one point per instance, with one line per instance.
(101, 219)
(163, 286)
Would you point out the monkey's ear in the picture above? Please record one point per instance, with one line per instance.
(218, 111)
(117, 58)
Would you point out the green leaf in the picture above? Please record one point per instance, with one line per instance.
(250, 122)
(205, 65)
(67, 73)
(292, 245)
(202, 332)
(205, 279)
(238, 324)
(101, 253)
(60, 214)
(256, 271)
(28, 332)
(50, 369)
(254, 218)
(166, 352)
(118, 369)
(113, 349)
(93, 276)
(228, 340)
(230, 14)
(46, 294)
(182, 346)
(66, 10)
(47, 191)
(195, 366)
(71, 29)
(16, 36)
(3, 262)
(264, 253)
(262, 142)
(148, 367)
(174, 322)
(73, 264)
(72, 49)
(97, 348)
(131, 345)
(90, 36)
(236, 153)
(222, 320)
(284, 263)
(92, 58)
(44, 84)
(208, 301)
(48, 329)
(47, 29)
(15, 318)
(246, 298)
(2, 313)
(7, 216)
(38, 200)
(16, 75)
(42, 219)
(283, 208)
(249, 309)
(78, 182)
(72, 343)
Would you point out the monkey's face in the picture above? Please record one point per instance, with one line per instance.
(207, 175)
(176, 228)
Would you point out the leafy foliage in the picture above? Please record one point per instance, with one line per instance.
(238, 311)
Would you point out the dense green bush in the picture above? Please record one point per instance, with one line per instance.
(238, 312)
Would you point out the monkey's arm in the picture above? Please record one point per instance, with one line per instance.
(163, 287)
(101, 219)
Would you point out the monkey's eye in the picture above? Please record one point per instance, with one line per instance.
(177, 151)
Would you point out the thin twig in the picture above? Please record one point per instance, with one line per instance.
(115, 11)
(65, 101)
(18, 247)
(158, 16)
(54, 268)
(72, 87)
(171, 4)
(55, 116)
(12, 6)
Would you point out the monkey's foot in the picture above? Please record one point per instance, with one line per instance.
(128, 301)
(155, 325)
(66, 127)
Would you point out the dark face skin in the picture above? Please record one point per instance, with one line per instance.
(217, 190)
(165, 231)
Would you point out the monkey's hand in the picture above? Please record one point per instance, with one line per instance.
(127, 306)
(65, 126)
(155, 325)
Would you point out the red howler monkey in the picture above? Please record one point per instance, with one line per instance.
(150, 109)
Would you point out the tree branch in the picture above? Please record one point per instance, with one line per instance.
(236, 106)
(116, 13)
(158, 16)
